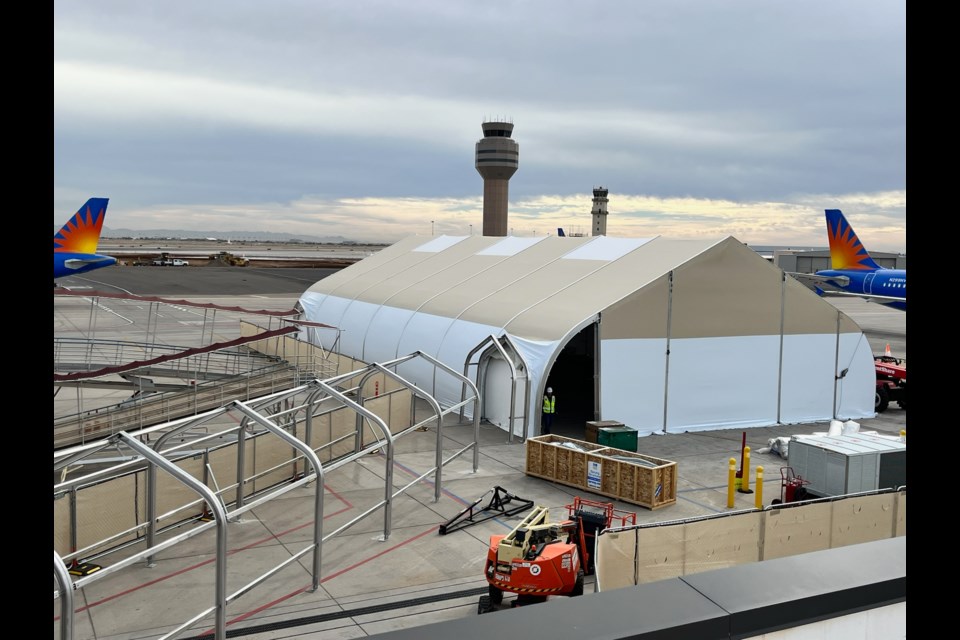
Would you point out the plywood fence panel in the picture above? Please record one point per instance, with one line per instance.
(660, 553)
(862, 519)
(719, 543)
(797, 529)
(616, 559)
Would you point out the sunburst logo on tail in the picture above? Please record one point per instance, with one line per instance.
(846, 250)
(82, 233)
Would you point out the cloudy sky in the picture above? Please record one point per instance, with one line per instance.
(359, 118)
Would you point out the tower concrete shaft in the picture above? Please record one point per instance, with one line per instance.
(497, 159)
(599, 211)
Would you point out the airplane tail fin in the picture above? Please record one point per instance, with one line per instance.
(560, 232)
(846, 250)
(81, 234)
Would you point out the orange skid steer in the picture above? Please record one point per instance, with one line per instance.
(539, 558)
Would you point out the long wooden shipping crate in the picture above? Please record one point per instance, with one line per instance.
(624, 475)
(548, 459)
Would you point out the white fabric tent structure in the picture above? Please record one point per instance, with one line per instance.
(661, 334)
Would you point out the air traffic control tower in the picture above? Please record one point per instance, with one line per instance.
(498, 157)
(599, 211)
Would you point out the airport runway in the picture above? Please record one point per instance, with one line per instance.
(416, 577)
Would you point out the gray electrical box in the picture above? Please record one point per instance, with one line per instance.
(838, 465)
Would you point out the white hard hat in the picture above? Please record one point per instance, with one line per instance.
(549, 390)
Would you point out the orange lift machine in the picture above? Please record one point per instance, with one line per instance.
(539, 558)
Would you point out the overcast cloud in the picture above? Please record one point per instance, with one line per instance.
(359, 118)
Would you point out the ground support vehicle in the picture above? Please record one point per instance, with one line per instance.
(891, 382)
(540, 558)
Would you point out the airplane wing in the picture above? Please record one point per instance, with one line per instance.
(831, 286)
(869, 297)
(820, 283)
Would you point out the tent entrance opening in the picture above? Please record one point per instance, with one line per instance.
(575, 378)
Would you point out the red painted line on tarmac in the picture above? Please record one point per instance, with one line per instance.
(252, 612)
(206, 562)
(274, 537)
(241, 618)
(411, 472)
(431, 483)
(375, 556)
(268, 605)
(338, 497)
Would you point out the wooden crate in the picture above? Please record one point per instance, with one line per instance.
(604, 470)
(650, 486)
(547, 458)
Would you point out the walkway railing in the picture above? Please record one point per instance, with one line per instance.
(113, 511)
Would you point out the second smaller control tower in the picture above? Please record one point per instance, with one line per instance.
(498, 157)
(599, 211)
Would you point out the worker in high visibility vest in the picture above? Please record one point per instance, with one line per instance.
(549, 409)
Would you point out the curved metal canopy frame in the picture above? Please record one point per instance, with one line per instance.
(158, 456)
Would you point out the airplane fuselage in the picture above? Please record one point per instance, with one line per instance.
(888, 285)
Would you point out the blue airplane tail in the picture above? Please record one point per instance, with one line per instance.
(81, 233)
(846, 250)
(560, 232)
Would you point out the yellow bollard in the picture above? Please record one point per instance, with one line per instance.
(903, 435)
(759, 502)
(745, 486)
(731, 476)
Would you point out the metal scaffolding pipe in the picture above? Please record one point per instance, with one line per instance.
(476, 402)
(437, 411)
(513, 383)
(318, 470)
(388, 506)
(66, 597)
(220, 515)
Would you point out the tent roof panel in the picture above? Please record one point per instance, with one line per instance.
(409, 284)
(482, 280)
(340, 281)
(606, 249)
(603, 287)
(539, 285)
(544, 288)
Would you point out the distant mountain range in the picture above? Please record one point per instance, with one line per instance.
(180, 234)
